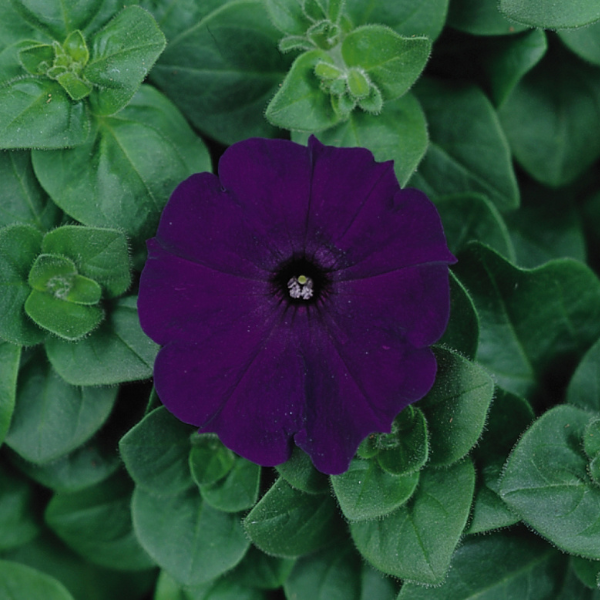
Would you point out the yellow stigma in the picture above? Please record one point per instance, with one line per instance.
(302, 279)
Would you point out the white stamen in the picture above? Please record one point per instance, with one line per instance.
(300, 287)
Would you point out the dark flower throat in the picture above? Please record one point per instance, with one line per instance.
(300, 282)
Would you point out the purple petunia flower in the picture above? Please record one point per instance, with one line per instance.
(295, 297)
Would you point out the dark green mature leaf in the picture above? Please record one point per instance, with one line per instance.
(290, 523)
(456, 407)
(468, 151)
(399, 133)
(547, 226)
(222, 589)
(139, 156)
(209, 460)
(467, 217)
(547, 117)
(96, 523)
(376, 585)
(237, 491)
(10, 355)
(331, 574)
(155, 452)
(87, 465)
(117, 351)
(13, 28)
(508, 61)
(100, 254)
(19, 247)
(509, 416)
(502, 565)
(259, 570)
(190, 540)
(223, 70)
(22, 200)
(417, 541)
(405, 17)
(19, 582)
(587, 571)
(121, 55)
(18, 521)
(365, 491)
(51, 417)
(555, 15)
(392, 62)
(37, 113)
(546, 482)
(288, 16)
(56, 17)
(300, 103)
(481, 17)
(585, 42)
(533, 322)
(301, 474)
(584, 387)
(462, 332)
(83, 579)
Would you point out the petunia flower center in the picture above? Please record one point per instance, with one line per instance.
(300, 281)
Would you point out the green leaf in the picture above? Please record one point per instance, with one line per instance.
(585, 42)
(13, 28)
(122, 54)
(468, 151)
(456, 407)
(56, 17)
(223, 70)
(87, 465)
(547, 117)
(82, 578)
(290, 523)
(301, 474)
(288, 16)
(96, 523)
(259, 570)
(509, 416)
(222, 589)
(546, 227)
(22, 199)
(406, 449)
(155, 452)
(462, 332)
(19, 582)
(18, 518)
(100, 254)
(588, 571)
(37, 113)
(546, 482)
(584, 387)
(365, 491)
(115, 352)
(65, 319)
(300, 103)
(37, 59)
(10, 355)
(332, 574)
(399, 133)
(209, 460)
(393, 62)
(481, 17)
(405, 17)
(467, 217)
(51, 417)
(237, 491)
(416, 542)
(497, 566)
(19, 247)
(507, 61)
(138, 156)
(534, 323)
(557, 15)
(190, 540)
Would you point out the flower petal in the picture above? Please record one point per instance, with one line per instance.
(357, 382)
(243, 385)
(188, 301)
(272, 180)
